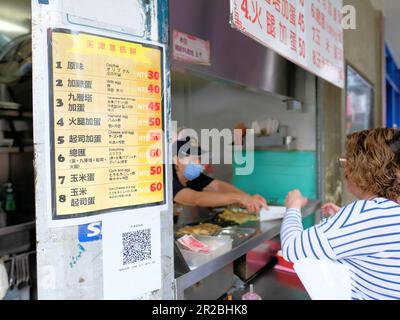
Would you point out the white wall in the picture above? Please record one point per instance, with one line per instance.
(57, 247)
(213, 104)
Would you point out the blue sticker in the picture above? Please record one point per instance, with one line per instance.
(89, 232)
(43, 1)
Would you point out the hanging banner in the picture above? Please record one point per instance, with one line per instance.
(191, 49)
(306, 32)
(106, 124)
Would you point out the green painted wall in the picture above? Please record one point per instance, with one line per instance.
(278, 172)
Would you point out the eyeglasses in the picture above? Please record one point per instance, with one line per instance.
(342, 162)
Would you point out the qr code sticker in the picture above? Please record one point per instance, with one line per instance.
(136, 246)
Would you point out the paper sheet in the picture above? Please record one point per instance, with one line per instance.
(274, 213)
(324, 280)
(131, 252)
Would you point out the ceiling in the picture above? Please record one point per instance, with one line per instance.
(391, 10)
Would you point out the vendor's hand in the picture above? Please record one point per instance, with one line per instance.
(329, 209)
(295, 200)
(253, 204)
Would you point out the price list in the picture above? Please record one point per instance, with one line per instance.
(106, 116)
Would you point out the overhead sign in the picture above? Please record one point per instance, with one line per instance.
(307, 32)
(106, 123)
(191, 49)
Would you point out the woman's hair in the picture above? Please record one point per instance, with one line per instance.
(373, 162)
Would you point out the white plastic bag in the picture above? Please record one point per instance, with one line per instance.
(324, 280)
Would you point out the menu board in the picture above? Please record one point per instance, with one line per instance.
(307, 32)
(106, 123)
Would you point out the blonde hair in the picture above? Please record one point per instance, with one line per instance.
(373, 162)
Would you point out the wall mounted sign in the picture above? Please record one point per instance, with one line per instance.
(306, 32)
(190, 49)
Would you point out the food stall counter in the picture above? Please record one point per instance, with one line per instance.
(263, 231)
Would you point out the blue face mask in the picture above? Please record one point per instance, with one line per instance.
(193, 171)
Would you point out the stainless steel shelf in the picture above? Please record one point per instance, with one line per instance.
(17, 239)
(264, 231)
(15, 149)
(15, 114)
(17, 228)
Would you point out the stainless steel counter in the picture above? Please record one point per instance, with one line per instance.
(264, 231)
(275, 285)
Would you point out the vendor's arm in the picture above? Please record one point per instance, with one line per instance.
(212, 199)
(222, 186)
(254, 203)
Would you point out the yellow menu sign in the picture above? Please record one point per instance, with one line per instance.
(106, 119)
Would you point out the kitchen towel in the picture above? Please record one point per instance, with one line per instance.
(3, 280)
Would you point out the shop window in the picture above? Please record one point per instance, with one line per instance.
(392, 91)
(359, 102)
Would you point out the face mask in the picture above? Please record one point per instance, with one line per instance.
(193, 171)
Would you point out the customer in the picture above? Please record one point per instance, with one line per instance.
(364, 235)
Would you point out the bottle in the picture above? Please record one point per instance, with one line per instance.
(3, 216)
(9, 205)
(251, 295)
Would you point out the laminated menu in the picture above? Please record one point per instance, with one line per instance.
(106, 123)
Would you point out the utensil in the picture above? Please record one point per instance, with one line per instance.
(17, 271)
(22, 280)
(25, 268)
(269, 125)
(12, 273)
(28, 274)
(276, 126)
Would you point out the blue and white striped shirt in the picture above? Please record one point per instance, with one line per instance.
(364, 235)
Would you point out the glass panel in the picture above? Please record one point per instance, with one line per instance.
(359, 103)
(15, 21)
(15, 55)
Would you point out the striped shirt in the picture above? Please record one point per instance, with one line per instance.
(365, 236)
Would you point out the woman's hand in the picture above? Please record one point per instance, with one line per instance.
(253, 204)
(295, 200)
(329, 209)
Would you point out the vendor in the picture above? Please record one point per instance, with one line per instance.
(193, 188)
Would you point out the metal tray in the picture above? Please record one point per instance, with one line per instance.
(237, 234)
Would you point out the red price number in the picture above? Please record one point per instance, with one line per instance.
(154, 122)
(155, 136)
(155, 106)
(153, 75)
(156, 187)
(155, 153)
(153, 88)
(155, 170)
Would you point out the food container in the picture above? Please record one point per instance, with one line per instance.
(248, 265)
(237, 234)
(219, 246)
(179, 233)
